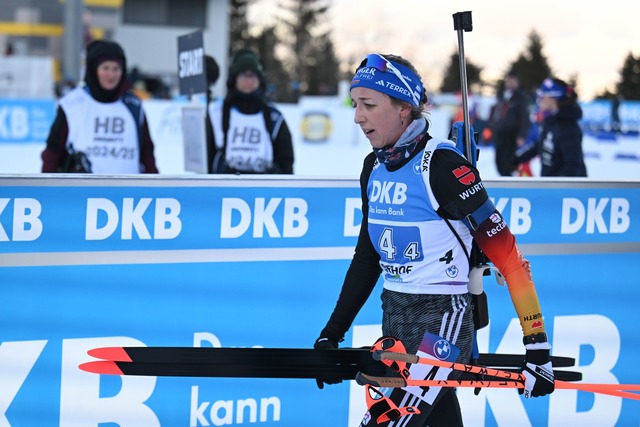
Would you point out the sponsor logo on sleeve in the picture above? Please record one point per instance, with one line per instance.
(465, 175)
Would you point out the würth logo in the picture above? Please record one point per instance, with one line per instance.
(464, 175)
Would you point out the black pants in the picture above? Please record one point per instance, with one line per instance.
(505, 153)
(446, 411)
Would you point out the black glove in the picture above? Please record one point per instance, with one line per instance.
(537, 370)
(323, 343)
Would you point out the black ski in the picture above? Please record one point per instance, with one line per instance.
(342, 372)
(257, 362)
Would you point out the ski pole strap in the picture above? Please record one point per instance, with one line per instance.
(477, 217)
(383, 409)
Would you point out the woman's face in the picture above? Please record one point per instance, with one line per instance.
(381, 119)
(247, 82)
(109, 74)
(546, 103)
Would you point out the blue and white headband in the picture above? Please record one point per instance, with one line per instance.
(393, 79)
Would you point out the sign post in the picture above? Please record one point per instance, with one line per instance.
(192, 75)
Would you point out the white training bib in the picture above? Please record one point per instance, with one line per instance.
(106, 132)
(249, 146)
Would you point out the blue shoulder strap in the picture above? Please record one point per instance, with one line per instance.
(135, 106)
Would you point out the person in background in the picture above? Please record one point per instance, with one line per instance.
(250, 135)
(536, 116)
(615, 113)
(559, 144)
(102, 119)
(212, 74)
(419, 221)
(509, 123)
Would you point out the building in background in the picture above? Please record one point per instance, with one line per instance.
(146, 29)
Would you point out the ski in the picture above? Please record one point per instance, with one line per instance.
(257, 362)
(342, 372)
(279, 356)
(233, 362)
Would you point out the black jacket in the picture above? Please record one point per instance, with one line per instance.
(510, 117)
(560, 144)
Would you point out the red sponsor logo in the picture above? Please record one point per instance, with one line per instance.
(537, 324)
(464, 175)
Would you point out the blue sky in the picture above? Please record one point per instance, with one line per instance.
(590, 40)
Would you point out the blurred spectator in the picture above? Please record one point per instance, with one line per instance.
(615, 113)
(139, 89)
(101, 121)
(250, 134)
(213, 73)
(9, 50)
(471, 105)
(147, 87)
(537, 116)
(560, 142)
(87, 38)
(64, 87)
(509, 123)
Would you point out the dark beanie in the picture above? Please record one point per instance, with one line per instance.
(99, 51)
(102, 50)
(245, 60)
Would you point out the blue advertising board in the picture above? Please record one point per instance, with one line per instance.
(597, 115)
(258, 262)
(25, 120)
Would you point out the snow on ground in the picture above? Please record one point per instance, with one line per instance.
(606, 160)
(342, 153)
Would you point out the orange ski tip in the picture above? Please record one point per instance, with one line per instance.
(107, 367)
(117, 354)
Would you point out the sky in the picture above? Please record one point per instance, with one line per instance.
(589, 40)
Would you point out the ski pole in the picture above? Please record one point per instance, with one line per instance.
(616, 390)
(474, 369)
(412, 358)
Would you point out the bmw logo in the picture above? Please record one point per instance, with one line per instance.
(452, 271)
(442, 349)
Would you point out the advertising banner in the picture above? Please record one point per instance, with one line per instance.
(258, 262)
(25, 120)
